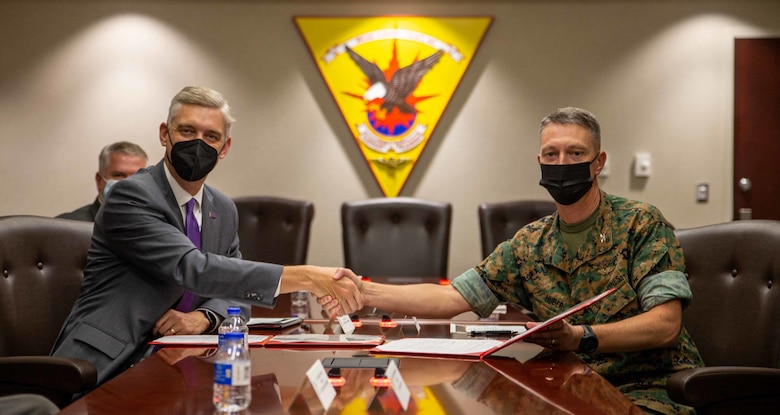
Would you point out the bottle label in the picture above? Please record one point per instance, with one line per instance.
(236, 373)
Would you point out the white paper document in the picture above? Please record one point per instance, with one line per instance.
(326, 339)
(438, 346)
(486, 329)
(202, 339)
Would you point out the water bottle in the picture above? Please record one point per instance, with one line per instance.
(299, 304)
(232, 375)
(234, 322)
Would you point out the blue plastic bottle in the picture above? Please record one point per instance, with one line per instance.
(232, 375)
(234, 322)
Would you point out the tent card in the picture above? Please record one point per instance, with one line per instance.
(322, 387)
(346, 324)
(399, 386)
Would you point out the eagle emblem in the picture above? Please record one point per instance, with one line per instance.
(392, 78)
(403, 82)
(389, 98)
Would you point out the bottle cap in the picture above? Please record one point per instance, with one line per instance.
(233, 311)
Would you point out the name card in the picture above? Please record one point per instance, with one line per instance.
(398, 384)
(321, 385)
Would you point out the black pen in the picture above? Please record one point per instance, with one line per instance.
(491, 333)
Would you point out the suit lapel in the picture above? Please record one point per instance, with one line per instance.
(158, 173)
(209, 234)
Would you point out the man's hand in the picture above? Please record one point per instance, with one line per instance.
(559, 336)
(343, 292)
(330, 304)
(176, 322)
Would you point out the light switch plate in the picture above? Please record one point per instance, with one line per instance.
(642, 165)
(702, 192)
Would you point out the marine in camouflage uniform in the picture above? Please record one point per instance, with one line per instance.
(630, 247)
(594, 242)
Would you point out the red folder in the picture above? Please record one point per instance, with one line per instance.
(306, 341)
(482, 348)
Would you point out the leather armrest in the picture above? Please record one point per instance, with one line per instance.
(57, 378)
(709, 385)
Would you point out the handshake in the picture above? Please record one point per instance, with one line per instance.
(338, 290)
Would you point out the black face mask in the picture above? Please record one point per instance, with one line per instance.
(567, 183)
(193, 159)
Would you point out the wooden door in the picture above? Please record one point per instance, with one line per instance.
(757, 128)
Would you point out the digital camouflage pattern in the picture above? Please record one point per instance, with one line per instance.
(630, 241)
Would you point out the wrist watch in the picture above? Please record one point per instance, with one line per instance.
(210, 317)
(589, 342)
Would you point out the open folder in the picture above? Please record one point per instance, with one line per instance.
(312, 340)
(472, 348)
(273, 322)
(201, 340)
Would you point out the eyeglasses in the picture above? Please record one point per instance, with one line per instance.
(190, 132)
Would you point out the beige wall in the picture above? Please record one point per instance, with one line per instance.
(76, 75)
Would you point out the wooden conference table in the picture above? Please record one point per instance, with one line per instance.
(179, 381)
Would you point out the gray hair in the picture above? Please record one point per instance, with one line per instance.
(579, 116)
(121, 147)
(203, 97)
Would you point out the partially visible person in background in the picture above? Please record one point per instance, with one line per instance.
(116, 162)
(27, 404)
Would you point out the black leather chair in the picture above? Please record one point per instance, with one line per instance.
(276, 230)
(500, 221)
(734, 318)
(42, 262)
(397, 240)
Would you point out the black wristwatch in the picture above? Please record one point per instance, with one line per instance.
(589, 342)
(210, 317)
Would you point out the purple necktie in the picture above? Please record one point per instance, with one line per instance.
(193, 232)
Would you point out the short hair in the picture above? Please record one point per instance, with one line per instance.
(122, 147)
(203, 97)
(579, 116)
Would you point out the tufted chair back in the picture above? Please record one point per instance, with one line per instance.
(403, 238)
(500, 221)
(275, 230)
(733, 269)
(42, 261)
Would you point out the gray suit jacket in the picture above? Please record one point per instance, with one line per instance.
(139, 264)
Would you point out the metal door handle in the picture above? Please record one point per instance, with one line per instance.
(745, 184)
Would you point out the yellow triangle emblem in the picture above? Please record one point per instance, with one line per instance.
(392, 78)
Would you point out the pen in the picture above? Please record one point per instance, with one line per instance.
(491, 333)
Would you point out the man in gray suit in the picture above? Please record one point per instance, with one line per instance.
(116, 161)
(141, 262)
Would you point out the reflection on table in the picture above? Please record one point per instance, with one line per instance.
(179, 381)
